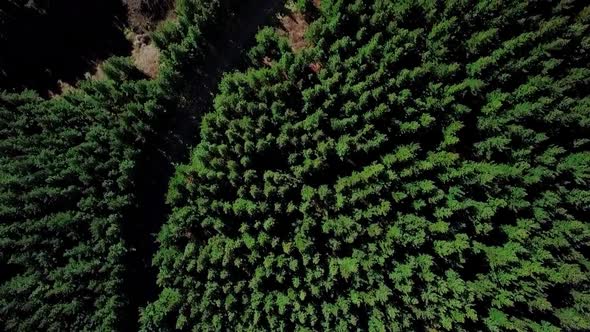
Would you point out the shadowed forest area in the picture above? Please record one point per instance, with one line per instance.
(49, 45)
(100, 34)
(169, 139)
(44, 42)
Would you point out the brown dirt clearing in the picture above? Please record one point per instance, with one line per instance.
(294, 25)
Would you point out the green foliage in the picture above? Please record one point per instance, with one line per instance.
(304, 6)
(431, 175)
(67, 172)
(66, 177)
(184, 41)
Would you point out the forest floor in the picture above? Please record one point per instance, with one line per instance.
(294, 25)
(60, 43)
(143, 16)
(141, 21)
(138, 20)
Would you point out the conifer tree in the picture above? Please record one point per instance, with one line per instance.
(68, 167)
(66, 182)
(431, 175)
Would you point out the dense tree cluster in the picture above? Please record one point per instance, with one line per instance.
(420, 165)
(185, 40)
(423, 166)
(67, 168)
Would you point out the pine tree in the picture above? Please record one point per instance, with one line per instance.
(431, 175)
(67, 170)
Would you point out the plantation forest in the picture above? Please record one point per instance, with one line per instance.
(295, 165)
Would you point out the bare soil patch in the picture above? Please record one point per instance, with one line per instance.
(146, 56)
(294, 26)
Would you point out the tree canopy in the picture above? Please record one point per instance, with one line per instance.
(408, 166)
(68, 191)
(423, 165)
(67, 169)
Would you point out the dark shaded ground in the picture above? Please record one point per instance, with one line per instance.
(227, 52)
(144, 15)
(174, 140)
(58, 40)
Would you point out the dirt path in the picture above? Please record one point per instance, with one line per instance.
(173, 145)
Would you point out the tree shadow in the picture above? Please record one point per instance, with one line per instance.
(55, 41)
